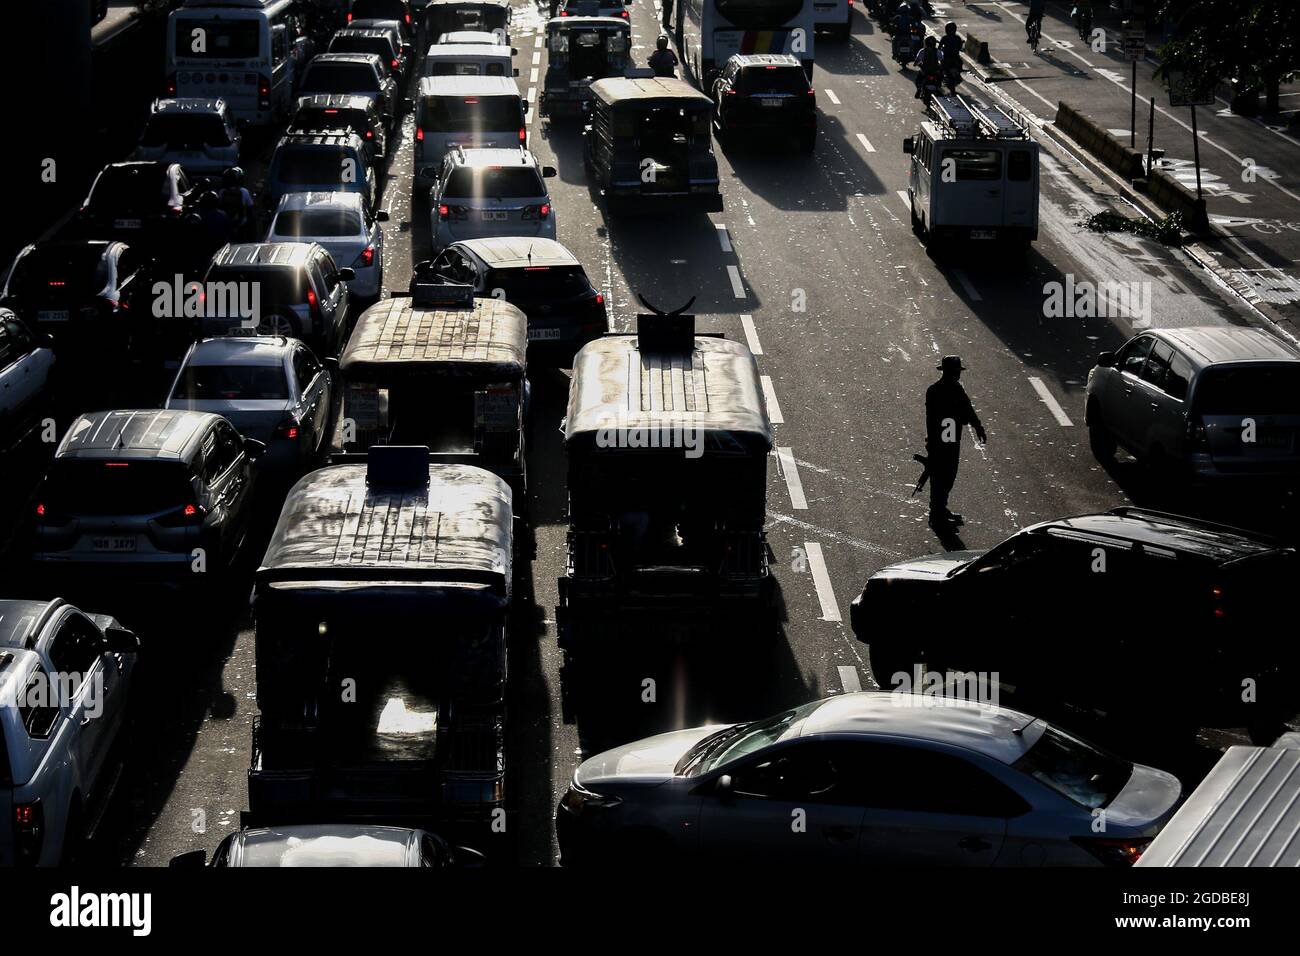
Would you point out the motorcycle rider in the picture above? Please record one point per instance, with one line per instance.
(1082, 17)
(929, 71)
(907, 20)
(950, 55)
(663, 60)
(237, 203)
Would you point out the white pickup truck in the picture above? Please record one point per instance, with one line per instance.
(64, 682)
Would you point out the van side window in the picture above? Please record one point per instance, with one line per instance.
(1157, 365)
(279, 45)
(976, 164)
(1178, 377)
(1134, 355)
(1019, 167)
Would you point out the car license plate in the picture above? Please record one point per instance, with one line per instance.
(126, 223)
(495, 215)
(53, 315)
(982, 233)
(114, 544)
(770, 101)
(534, 334)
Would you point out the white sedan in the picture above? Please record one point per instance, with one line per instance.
(344, 225)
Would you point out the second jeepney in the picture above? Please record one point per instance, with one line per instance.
(580, 50)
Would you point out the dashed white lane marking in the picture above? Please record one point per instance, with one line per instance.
(537, 57)
(1050, 401)
(537, 40)
(751, 334)
(532, 75)
(971, 292)
(785, 459)
(532, 93)
(822, 581)
(830, 94)
(723, 238)
(773, 407)
(866, 144)
(737, 287)
(902, 194)
(849, 679)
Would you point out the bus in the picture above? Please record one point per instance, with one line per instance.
(709, 31)
(247, 52)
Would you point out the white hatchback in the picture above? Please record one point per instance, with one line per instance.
(343, 225)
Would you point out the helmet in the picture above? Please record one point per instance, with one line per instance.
(931, 42)
(662, 42)
(208, 200)
(234, 176)
(950, 28)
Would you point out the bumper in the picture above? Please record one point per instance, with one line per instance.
(368, 282)
(445, 232)
(980, 235)
(673, 203)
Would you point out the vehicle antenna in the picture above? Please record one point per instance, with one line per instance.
(1020, 730)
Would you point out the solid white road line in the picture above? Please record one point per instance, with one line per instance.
(830, 94)
(822, 581)
(971, 292)
(751, 334)
(773, 408)
(1052, 404)
(723, 239)
(737, 287)
(785, 459)
(866, 144)
(849, 679)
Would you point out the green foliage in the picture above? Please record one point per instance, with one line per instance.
(1250, 41)
(1168, 230)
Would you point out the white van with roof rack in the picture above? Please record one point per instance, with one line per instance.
(465, 111)
(974, 174)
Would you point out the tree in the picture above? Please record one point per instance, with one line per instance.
(1250, 43)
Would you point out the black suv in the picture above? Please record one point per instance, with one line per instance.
(1169, 621)
(768, 94)
(343, 112)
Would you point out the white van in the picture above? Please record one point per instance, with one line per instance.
(246, 52)
(468, 59)
(974, 175)
(467, 111)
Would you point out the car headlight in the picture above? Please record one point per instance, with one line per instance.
(579, 800)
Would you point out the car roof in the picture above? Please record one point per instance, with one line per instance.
(242, 350)
(1209, 345)
(616, 89)
(570, 23)
(489, 340)
(21, 620)
(264, 254)
(331, 844)
(983, 728)
(189, 104)
(322, 198)
(148, 433)
(481, 156)
(764, 59)
(369, 58)
(1189, 536)
(516, 252)
(714, 387)
(468, 85)
(351, 101)
(449, 50)
(464, 36)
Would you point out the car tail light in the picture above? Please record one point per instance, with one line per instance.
(564, 13)
(731, 92)
(313, 303)
(811, 91)
(444, 211)
(370, 134)
(545, 210)
(263, 91)
(349, 19)
(367, 257)
(171, 84)
(289, 428)
(419, 135)
(600, 298)
(624, 15)
(29, 832)
(1196, 437)
(1113, 851)
(188, 514)
(408, 18)
(396, 64)
(523, 134)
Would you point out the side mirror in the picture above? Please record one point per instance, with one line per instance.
(347, 273)
(909, 144)
(121, 641)
(514, 52)
(254, 449)
(1106, 360)
(548, 172)
(516, 71)
(331, 364)
(381, 216)
(194, 858)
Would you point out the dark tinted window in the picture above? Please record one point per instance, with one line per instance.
(185, 131)
(1258, 390)
(926, 781)
(774, 79)
(539, 283)
(1178, 377)
(464, 114)
(232, 382)
(978, 164)
(130, 189)
(380, 46)
(340, 78)
(291, 223)
(276, 286)
(58, 272)
(39, 709)
(804, 772)
(1134, 355)
(224, 40)
(1157, 364)
(75, 649)
(314, 164)
(1019, 165)
(494, 182)
(116, 488)
(758, 14)
(1090, 777)
(17, 341)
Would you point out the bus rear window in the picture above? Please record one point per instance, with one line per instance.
(980, 164)
(221, 39)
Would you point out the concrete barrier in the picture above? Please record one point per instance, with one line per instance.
(1096, 140)
(1168, 193)
(977, 50)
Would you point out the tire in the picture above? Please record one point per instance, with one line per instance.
(1100, 440)
(916, 221)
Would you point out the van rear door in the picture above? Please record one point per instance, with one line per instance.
(1020, 187)
(974, 195)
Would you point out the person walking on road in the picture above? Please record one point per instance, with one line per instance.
(948, 410)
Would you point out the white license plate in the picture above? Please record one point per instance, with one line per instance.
(543, 334)
(770, 101)
(494, 215)
(126, 223)
(114, 544)
(982, 233)
(53, 315)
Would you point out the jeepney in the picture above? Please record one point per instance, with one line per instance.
(452, 16)
(439, 368)
(667, 436)
(649, 142)
(580, 50)
(381, 609)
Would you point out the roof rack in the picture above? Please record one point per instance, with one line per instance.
(968, 118)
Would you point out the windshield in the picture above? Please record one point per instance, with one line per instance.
(467, 114)
(222, 39)
(339, 78)
(314, 119)
(381, 46)
(774, 79)
(214, 383)
(450, 66)
(540, 283)
(185, 131)
(1250, 390)
(315, 164)
(1090, 777)
(277, 287)
(740, 740)
(294, 223)
(495, 182)
(129, 189)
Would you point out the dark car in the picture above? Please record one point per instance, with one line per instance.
(1166, 620)
(378, 42)
(141, 203)
(347, 112)
(26, 366)
(766, 94)
(399, 10)
(361, 73)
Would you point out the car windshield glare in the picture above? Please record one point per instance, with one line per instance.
(494, 182)
(751, 738)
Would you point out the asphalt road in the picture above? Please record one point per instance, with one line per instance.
(814, 264)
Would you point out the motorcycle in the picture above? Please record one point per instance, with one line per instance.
(907, 44)
(930, 86)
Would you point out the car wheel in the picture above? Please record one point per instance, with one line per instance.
(1100, 440)
(278, 324)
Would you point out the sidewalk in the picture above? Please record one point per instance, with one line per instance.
(1249, 171)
